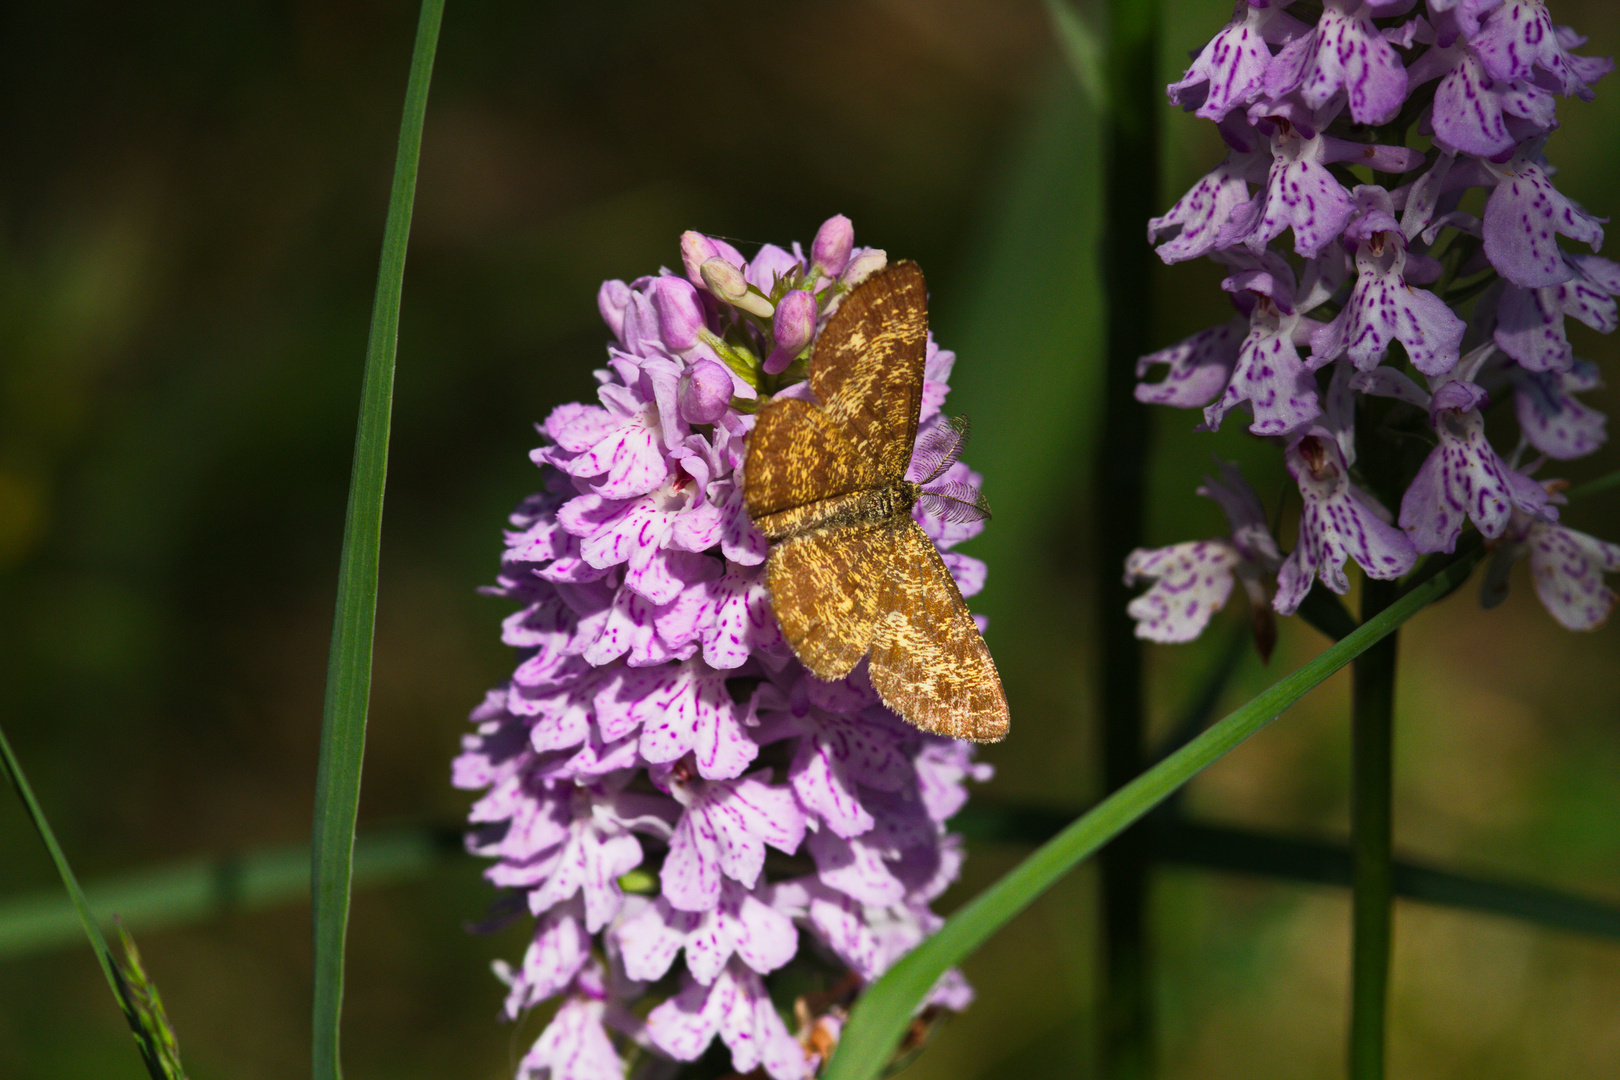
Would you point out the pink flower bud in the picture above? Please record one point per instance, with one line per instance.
(705, 392)
(680, 312)
(834, 241)
(725, 281)
(863, 266)
(792, 328)
(611, 300)
(696, 249)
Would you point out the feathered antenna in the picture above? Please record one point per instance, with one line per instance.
(939, 448)
(955, 501)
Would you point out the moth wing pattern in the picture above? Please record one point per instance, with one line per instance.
(826, 588)
(929, 661)
(867, 367)
(788, 437)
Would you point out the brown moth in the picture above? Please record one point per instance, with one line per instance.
(850, 573)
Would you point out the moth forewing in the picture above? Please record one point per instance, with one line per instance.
(850, 573)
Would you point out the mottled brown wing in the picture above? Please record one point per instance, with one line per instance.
(867, 367)
(824, 587)
(929, 661)
(797, 456)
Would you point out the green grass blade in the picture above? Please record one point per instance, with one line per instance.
(1082, 51)
(1309, 860)
(348, 677)
(1325, 862)
(885, 1010)
(152, 1037)
(1594, 487)
(194, 890)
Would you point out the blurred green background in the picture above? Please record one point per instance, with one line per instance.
(191, 204)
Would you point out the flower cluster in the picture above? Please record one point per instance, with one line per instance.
(661, 775)
(1446, 106)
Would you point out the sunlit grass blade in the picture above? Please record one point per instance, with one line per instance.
(195, 890)
(348, 677)
(884, 1011)
(152, 1036)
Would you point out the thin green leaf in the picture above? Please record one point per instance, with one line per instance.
(348, 677)
(1082, 51)
(150, 1038)
(1325, 862)
(194, 890)
(881, 1017)
(1319, 862)
(1594, 487)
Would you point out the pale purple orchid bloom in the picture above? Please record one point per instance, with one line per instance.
(1394, 279)
(658, 744)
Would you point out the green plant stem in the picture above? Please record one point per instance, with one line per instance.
(1371, 839)
(348, 678)
(885, 1009)
(149, 1038)
(1131, 148)
(199, 889)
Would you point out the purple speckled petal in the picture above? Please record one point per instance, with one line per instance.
(1383, 308)
(1191, 582)
(1523, 218)
(1337, 522)
(1567, 568)
(691, 711)
(856, 868)
(1270, 376)
(1551, 419)
(574, 1046)
(1462, 479)
(649, 940)
(1530, 322)
(1199, 217)
(1200, 367)
(1468, 112)
(630, 459)
(559, 949)
(724, 831)
(744, 622)
(943, 766)
(1518, 38)
(1228, 73)
(1345, 52)
(832, 763)
(737, 1008)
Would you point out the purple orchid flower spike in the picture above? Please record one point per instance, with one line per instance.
(1303, 101)
(657, 739)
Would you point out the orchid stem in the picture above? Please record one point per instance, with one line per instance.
(1371, 829)
(1131, 142)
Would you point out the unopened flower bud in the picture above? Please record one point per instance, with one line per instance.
(696, 249)
(705, 392)
(792, 329)
(680, 312)
(863, 266)
(834, 241)
(611, 300)
(725, 281)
